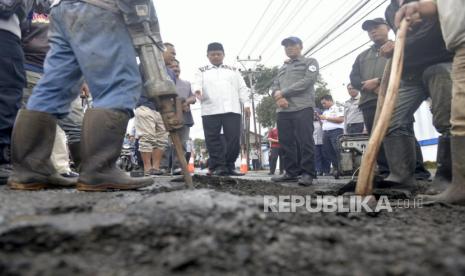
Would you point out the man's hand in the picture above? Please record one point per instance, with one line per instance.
(411, 12)
(282, 103)
(186, 107)
(277, 95)
(387, 50)
(198, 95)
(323, 117)
(370, 85)
(85, 91)
(247, 112)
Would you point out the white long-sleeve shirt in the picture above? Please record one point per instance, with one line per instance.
(223, 89)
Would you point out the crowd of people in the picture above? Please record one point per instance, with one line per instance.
(76, 83)
(430, 71)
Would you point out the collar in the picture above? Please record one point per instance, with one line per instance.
(289, 61)
(356, 98)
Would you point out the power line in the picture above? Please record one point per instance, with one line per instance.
(306, 17)
(346, 17)
(349, 27)
(275, 16)
(329, 19)
(344, 55)
(256, 26)
(294, 13)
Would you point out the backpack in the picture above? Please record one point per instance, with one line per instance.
(9, 7)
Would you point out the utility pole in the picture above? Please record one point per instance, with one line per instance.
(250, 75)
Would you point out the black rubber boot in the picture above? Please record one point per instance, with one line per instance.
(443, 176)
(421, 173)
(75, 150)
(31, 147)
(401, 156)
(5, 166)
(101, 142)
(285, 178)
(455, 192)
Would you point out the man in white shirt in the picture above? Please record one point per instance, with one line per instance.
(333, 128)
(221, 90)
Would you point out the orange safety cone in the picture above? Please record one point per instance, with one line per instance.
(244, 166)
(190, 166)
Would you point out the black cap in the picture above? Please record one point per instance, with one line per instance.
(215, 46)
(373, 22)
(291, 40)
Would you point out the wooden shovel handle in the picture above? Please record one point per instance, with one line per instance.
(365, 179)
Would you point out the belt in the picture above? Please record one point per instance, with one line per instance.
(332, 130)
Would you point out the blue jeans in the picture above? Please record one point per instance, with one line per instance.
(331, 149)
(321, 164)
(90, 41)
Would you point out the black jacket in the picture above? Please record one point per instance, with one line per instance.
(424, 45)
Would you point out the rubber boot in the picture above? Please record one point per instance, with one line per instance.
(101, 142)
(455, 192)
(5, 165)
(421, 173)
(443, 176)
(401, 157)
(75, 150)
(31, 147)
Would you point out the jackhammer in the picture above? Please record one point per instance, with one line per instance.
(143, 25)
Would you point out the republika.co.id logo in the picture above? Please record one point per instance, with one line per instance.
(331, 204)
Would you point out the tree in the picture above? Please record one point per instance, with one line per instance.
(264, 79)
(266, 112)
(321, 89)
(199, 144)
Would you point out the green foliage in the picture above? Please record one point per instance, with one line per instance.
(199, 144)
(266, 112)
(321, 89)
(264, 80)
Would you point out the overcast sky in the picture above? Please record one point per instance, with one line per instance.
(190, 25)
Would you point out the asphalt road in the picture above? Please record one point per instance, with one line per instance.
(220, 228)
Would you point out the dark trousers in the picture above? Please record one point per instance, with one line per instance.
(355, 128)
(369, 112)
(331, 146)
(12, 82)
(255, 164)
(231, 124)
(297, 127)
(274, 154)
(322, 165)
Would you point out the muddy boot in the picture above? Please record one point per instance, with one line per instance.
(5, 166)
(455, 192)
(75, 151)
(443, 176)
(400, 153)
(101, 142)
(421, 173)
(31, 147)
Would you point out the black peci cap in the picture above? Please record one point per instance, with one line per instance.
(215, 46)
